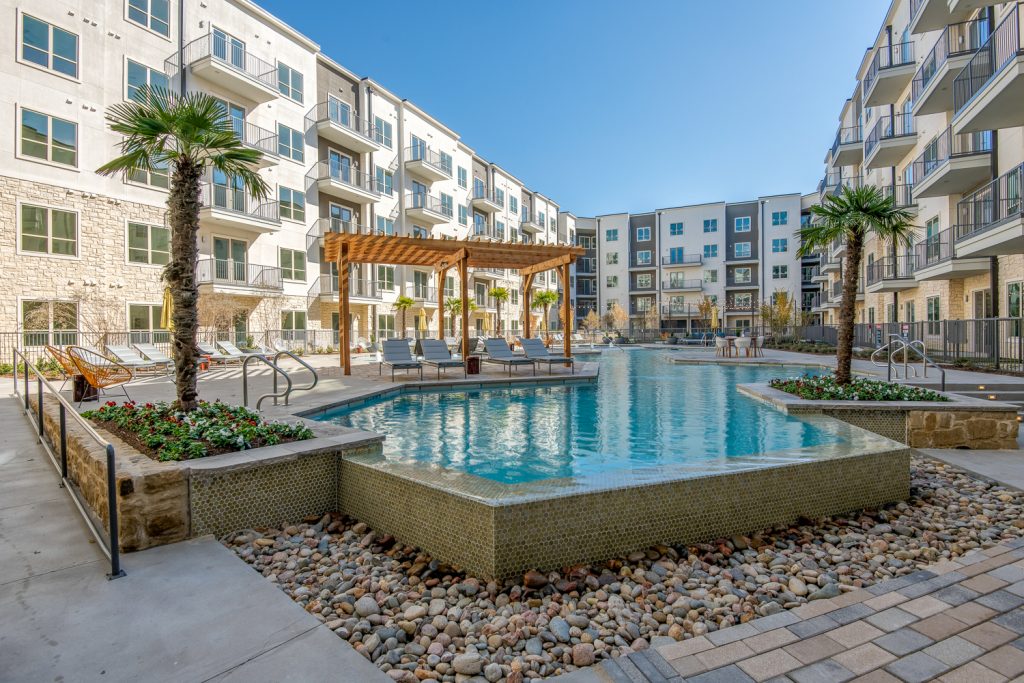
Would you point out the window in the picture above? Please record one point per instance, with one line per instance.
(149, 244)
(741, 249)
(675, 229)
(513, 204)
(909, 314)
(611, 235)
(140, 75)
(289, 82)
(446, 162)
(49, 231)
(386, 326)
(293, 204)
(289, 143)
(447, 205)
(780, 217)
(385, 226)
(499, 197)
(49, 138)
(741, 224)
(293, 264)
(933, 311)
(644, 281)
(514, 296)
(155, 177)
(153, 14)
(463, 178)
(382, 131)
(386, 277)
(144, 324)
(499, 230)
(644, 304)
(780, 272)
(611, 258)
(385, 181)
(419, 231)
(1014, 306)
(48, 46)
(479, 223)
(890, 313)
(780, 245)
(611, 281)
(540, 218)
(463, 215)
(711, 225)
(675, 255)
(293, 325)
(742, 300)
(710, 251)
(49, 322)
(449, 285)
(711, 275)
(741, 275)
(643, 257)
(643, 234)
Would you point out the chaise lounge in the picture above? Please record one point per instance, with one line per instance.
(499, 352)
(436, 353)
(397, 355)
(536, 351)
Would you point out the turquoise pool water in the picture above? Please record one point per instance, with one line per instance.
(644, 412)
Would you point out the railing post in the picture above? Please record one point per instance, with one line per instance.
(63, 444)
(25, 361)
(115, 550)
(995, 342)
(39, 390)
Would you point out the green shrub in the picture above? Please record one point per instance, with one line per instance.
(824, 388)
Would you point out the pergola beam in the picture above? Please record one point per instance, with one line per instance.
(550, 264)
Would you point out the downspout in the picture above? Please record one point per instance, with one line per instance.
(657, 264)
(761, 256)
(181, 44)
(994, 260)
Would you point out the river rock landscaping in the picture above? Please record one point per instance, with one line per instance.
(418, 619)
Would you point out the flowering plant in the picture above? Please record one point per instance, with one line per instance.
(163, 432)
(824, 388)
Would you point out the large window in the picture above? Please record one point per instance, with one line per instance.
(289, 143)
(1014, 306)
(385, 226)
(741, 275)
(386, 326)
(144, 324)
(386, 278)
(780, 272)
(780, 245)
(463, 215)
(49, 322)
(463, 178)
(611, 281)
(49, 231)
(743, 300)
(741, 249)
(157, 176)
(710, 251)
(382, 131)
(447, 205)
(710, 225)
(385, 181)
(140, 75)
(611, 258)
(675, 229)
(933, 311)
(780, 217)
(643, 257)
(644, 281)
(711, 275)
(48, 46)
(293, 264)
(149, 244)
(293, 203)
(445, 161)
(289, 82)
(49, 138)
(611, 235)
(513, 204)
(293, 325)
(643, 234)
(741, 224)
(153, 14)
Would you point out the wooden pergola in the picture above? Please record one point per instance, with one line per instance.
(442, 255)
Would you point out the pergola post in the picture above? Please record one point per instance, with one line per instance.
(344, 324)
(464, 291)
(527, 285)
(566, 311)
(440, 302)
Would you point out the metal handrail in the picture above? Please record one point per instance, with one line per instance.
(294, 357)
(918, 347)
(110, 545)
(245, 381)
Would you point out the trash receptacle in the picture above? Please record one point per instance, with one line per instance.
(473, 365)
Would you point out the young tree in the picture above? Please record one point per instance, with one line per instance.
(853, 216)
(544, 299)
(190, 135)
(592, 321)
(616, 318)
(778, 314)
(453, 306)
(704, 308)
(500, 295)
(403, 304)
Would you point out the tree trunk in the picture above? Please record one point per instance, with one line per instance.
(497, 316)
(847, 307)
(180, 274)
(403, 323)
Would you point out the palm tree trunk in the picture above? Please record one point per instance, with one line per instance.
(844, 342)
(497, 322)
(180, 274)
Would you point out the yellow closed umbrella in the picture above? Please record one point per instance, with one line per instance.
(714, 318)
(167, 310)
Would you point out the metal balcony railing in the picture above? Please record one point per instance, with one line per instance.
(238, 201)
(890, 268)
(429, 157)
(427, 202)
(636, 308)
(903, 195)
(361, 288)
(958, 39)
(423, 293)
(731, 280)
(481, 192)
(808, 272)
(346, 175)
(935, 249)
(676, 283)
(811, 300)
(258, 138)
(1000, 49)
(238, 274)
(888, 128)
(340, 116)
(888, 57)
(986, 208)
(682, 259)
(946, 146)
(847, 136)
(485, 301)
(234, 57)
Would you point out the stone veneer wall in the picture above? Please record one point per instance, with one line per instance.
(951, 429)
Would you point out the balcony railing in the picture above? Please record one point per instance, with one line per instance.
(837, 290)
(956, 39)
(999, 50)
(340, 116)
(253, 136)
(890, 268)
(481, 192)
(847, 136)
(238, 274)
(485, 301)
(947, 146)
(231, 56)
(585, 266)
(693, 283)
(998, 201)
(888, 128)
(636, 308)
(811, 300)
(636, 285)
(732, 280)
(935, 249)
(636, 262)
(429, 157)
(423, 293)
(346, 175)
(361, 288)
(808, 272)
(682, 259)
(238, 201)
(428, 202)
(903, 195)
(888, 57)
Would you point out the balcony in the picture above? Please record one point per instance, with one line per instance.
(932, 15)
(831, 264)
(423, 293)
(260, 139)
(343, 182)
(902, 195)
(991, 221)
(326, 289)
(891, 274)
(425, 208)
(987, 94)
(933, 83)
(935, 259)
(829, 183)
(485, 302)
(227, 207)
(339, 125)
(680, 285)
(808, 274)
(953, 164)
(848, 148)
(530, 223)
(322, 226)
(734, 282)
(426, 163)
(891, 139)
(486, 201)
(214, 59)
(680, 310)
(639, 308)
(836, 249)
(487, 232)
(225, 276)
(636, 286)
(891, 70)
(812, 302)
(682, 260)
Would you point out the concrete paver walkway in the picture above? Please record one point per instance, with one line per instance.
(185, 612)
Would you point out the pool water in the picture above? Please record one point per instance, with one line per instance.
(644, 412)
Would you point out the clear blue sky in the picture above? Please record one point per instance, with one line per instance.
(617, 105)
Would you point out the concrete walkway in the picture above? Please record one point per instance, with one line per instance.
(185, 612)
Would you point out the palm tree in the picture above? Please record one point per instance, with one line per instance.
(453, 306)
(544, 298)
(500, 295)
(852, 217)
(403, 304)
(190, 135)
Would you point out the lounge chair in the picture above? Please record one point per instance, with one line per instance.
(154, 355)
(537, 352)
(232, 350)
(216, 356)
(452, 343)
(499, 352)
(436, 353)
(100, 372)
(129, 357)
(67, 366)
(397, 355)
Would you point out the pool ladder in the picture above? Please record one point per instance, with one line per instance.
(898, 345)
(278, 370)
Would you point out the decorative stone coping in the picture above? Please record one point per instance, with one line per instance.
(960, 422)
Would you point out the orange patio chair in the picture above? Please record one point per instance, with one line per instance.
(101, 373)
(67, 366)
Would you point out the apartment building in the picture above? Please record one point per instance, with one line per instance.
(658, 266)
(341, 153)
(935, 120)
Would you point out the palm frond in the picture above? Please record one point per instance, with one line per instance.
(855, 213)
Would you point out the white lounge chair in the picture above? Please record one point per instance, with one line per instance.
(216, 356)
(235, 352)
(130, 358)
(397, 355)
(499, 352)
(155, 355)
(536, 351)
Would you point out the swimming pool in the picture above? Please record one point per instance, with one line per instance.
(644, 414)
